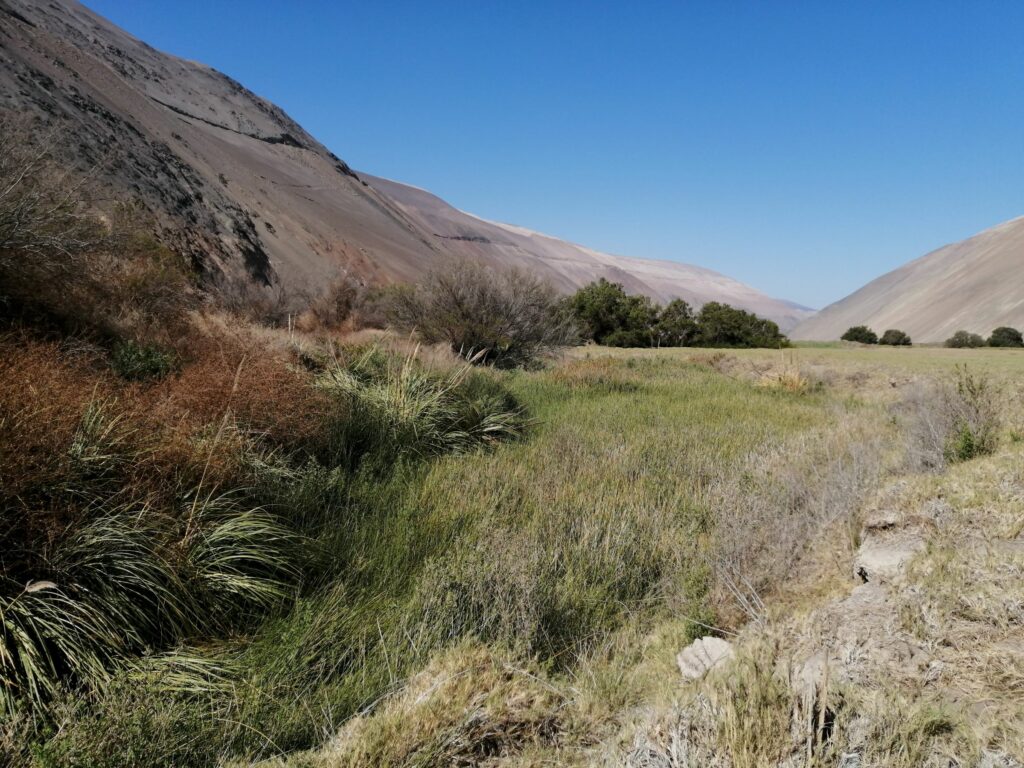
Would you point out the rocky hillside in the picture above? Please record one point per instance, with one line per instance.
(244, 190)
(973, 285)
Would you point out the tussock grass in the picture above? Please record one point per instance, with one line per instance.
(170, 514)
(395, 410)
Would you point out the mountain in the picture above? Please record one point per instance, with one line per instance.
(570, 266)
(975, 285)
(246, 192)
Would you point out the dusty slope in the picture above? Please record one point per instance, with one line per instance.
(975, 285)
(243, 189)
(570, 265)
(236, 181)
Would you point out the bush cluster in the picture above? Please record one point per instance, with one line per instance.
(965, 340)
(864, 335)
(1000, 337)
(860, 334)
(607, 315)
(506, 317)
(895, 338)
(1006, 337)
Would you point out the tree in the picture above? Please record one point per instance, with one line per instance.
(505, 317)
(895, 338)
(676, 327)
(608, 315)
(723, 326)
(599, 309)
(1006, 337)
(963, 339)
(861, 334)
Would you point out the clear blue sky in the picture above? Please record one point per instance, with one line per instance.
(802, 147)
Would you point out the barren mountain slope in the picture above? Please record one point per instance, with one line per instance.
(243, 189)
(975, 285)
(570, 265)
(235, 180)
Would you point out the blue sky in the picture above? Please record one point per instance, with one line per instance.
(802, 147)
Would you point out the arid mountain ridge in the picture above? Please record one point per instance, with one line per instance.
(975, 285)
(245, 191)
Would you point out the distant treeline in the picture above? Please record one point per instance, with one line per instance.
(864, 335)
(1000, 337)
(1003, 336)
(604, 313)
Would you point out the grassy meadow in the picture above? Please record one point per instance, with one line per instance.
(443, 566)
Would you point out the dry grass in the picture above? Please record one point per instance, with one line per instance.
(470, 706)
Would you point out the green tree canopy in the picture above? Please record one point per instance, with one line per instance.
(861, 334)
(895, 338)
(1006, 337)
(606, 314)
(677, 326)
(964, 339)
(724, 326)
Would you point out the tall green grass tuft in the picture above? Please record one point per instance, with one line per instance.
(401, 410)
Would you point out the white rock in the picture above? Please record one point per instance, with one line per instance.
(885, 559)
(703, 655)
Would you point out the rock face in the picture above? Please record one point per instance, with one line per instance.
(974, 285)
(245, 191)
(884, 558)
(703, 655)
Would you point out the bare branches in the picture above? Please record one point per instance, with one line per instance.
(505, 317)
(44, 222)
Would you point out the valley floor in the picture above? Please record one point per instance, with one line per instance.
(890, 636)
(522, 601)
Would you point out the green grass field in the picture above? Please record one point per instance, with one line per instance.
(582, 555)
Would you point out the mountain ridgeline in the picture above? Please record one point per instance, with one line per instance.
(247, 194)
(973, 285)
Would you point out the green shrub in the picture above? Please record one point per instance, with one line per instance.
(607, 315)
(965, 340)
(895, 338)
(138, 362)
(860, 334)
(720, 325)
(1006, 337)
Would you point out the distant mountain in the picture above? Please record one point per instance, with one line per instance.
(245, 191)
(570, 266)
(974, 285)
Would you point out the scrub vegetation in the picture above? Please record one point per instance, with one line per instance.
(233, 539)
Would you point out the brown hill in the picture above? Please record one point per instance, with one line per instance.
(240, 187)
(974, 285)
(569, 265)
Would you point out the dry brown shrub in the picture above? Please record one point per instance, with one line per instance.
(786, 497)
(189, 424)
(243, 381)
(470, 706)
(43, 394)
